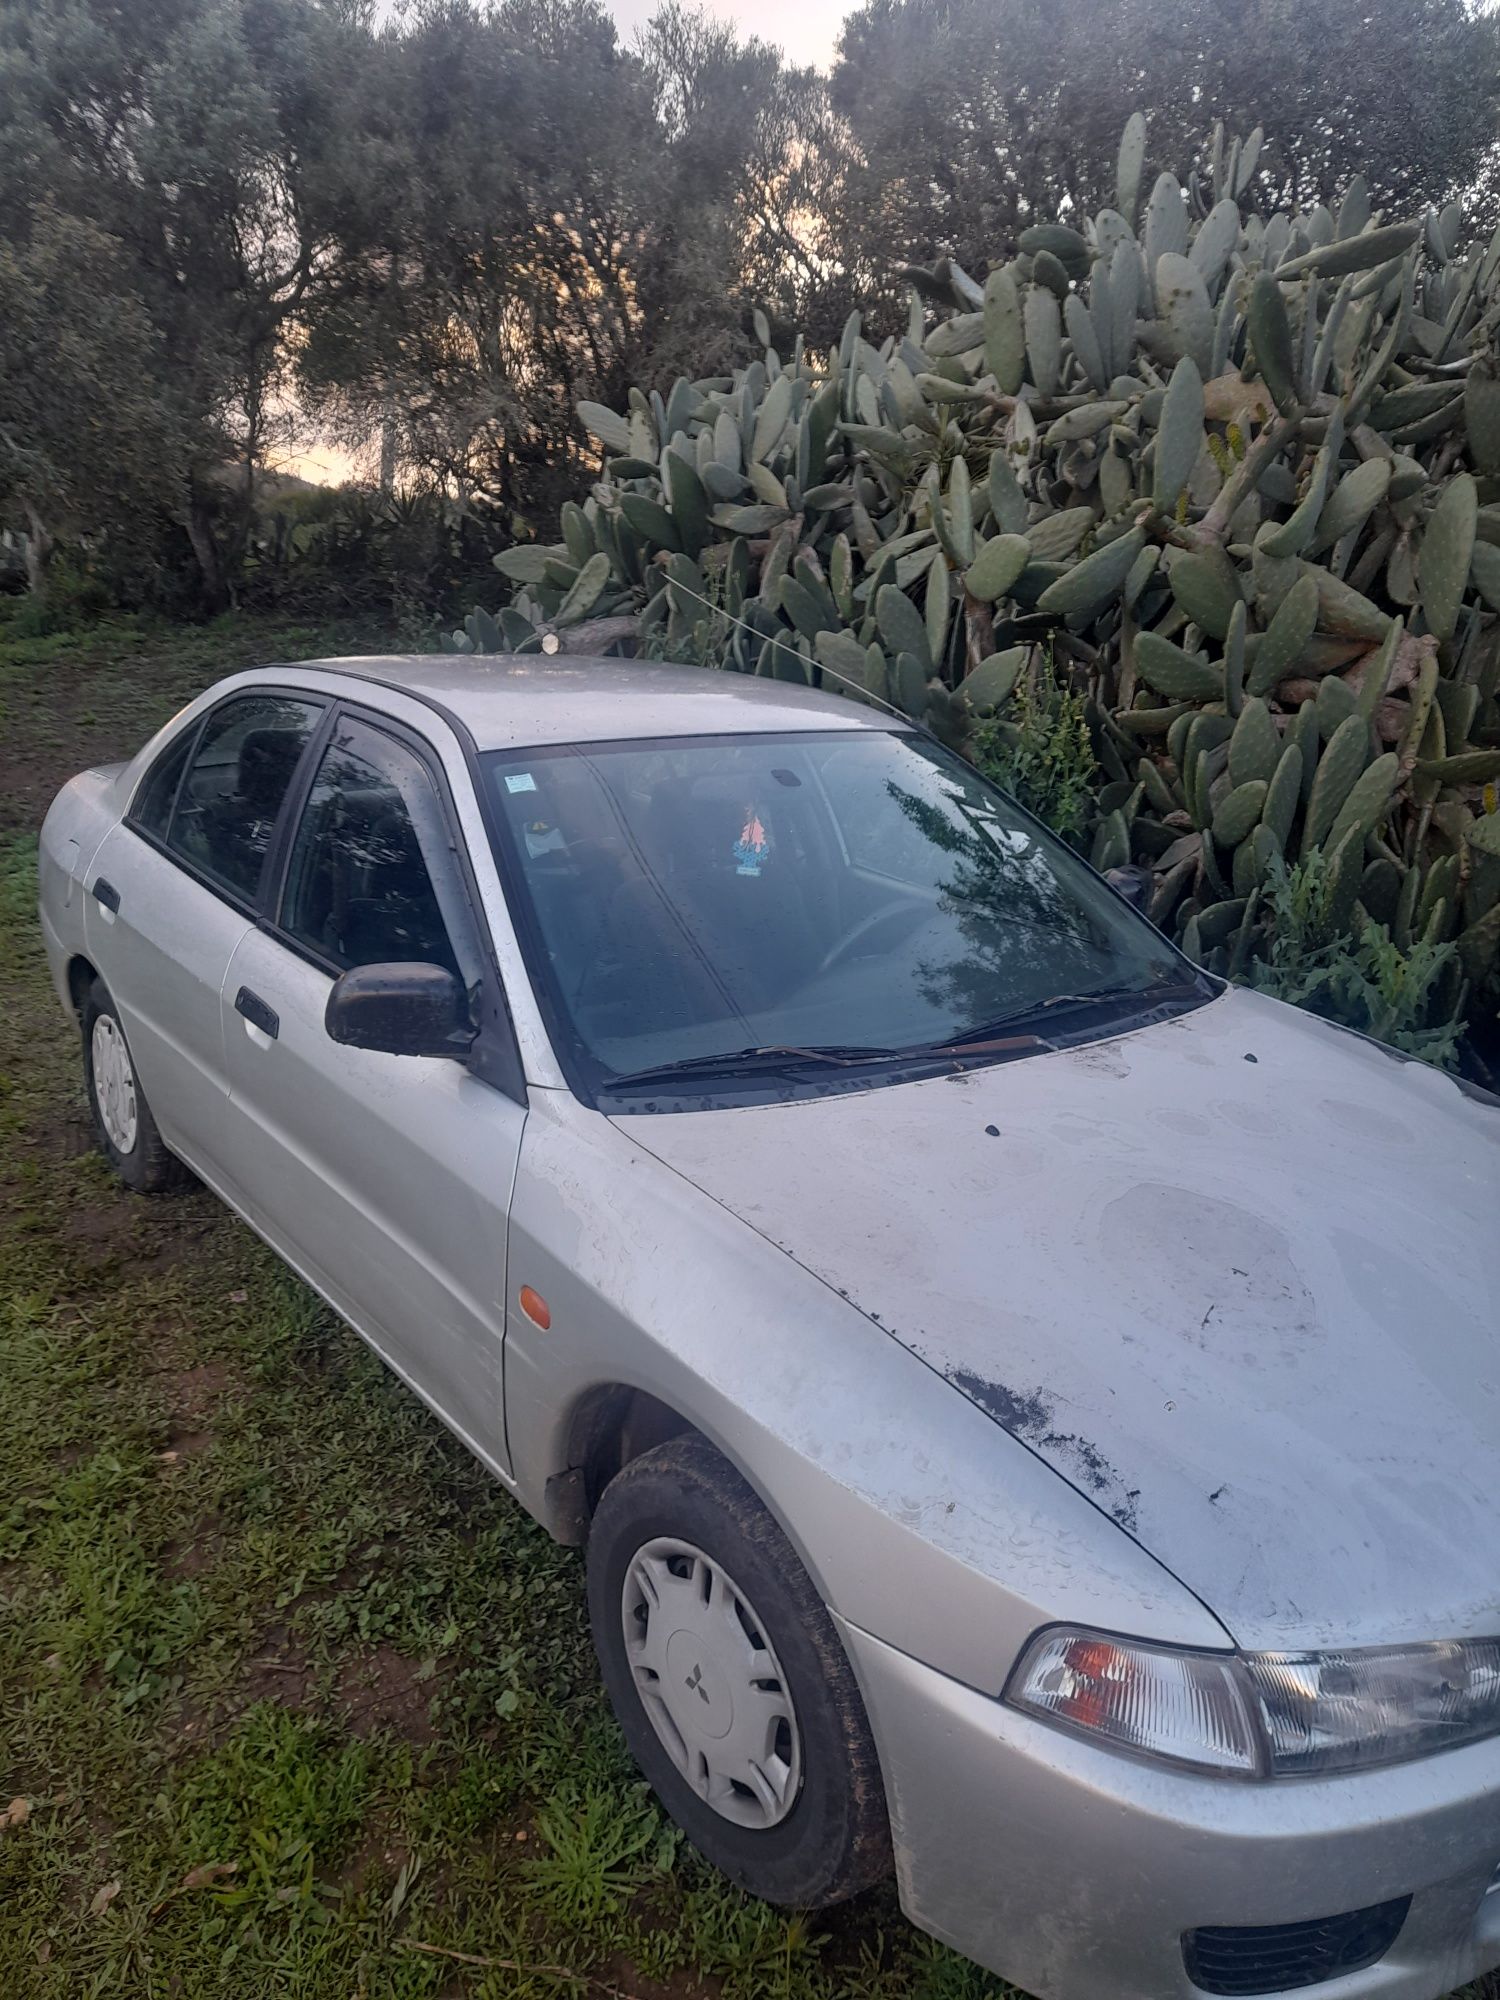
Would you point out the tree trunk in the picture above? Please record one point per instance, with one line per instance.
(388, 453)
(37, 551)
(200, 533)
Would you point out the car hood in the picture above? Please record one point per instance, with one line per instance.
(1234, 1275)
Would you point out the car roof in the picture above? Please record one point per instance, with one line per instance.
(511, 699)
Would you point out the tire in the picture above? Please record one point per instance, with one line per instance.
(127, 1133)
(813, 1832)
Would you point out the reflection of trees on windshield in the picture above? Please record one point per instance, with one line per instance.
(1025, 936)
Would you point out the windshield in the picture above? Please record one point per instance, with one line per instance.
(860, 893)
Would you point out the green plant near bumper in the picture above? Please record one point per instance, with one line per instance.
(1233, 477)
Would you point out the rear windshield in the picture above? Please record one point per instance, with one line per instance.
(690, 897)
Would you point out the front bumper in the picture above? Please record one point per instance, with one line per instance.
(1075, 1872)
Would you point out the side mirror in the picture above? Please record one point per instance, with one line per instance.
(1132, 882)
(400, 1010)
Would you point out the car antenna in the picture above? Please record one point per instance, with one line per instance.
(831, 673)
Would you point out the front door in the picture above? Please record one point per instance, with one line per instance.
(385, 1179)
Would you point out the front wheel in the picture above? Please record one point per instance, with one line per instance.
(727, 1677)
(127, 1133)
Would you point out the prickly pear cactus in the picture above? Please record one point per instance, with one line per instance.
(1237, 475)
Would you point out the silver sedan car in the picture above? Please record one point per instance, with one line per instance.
(1033, 1413)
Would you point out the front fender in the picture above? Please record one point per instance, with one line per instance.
(919, 1519)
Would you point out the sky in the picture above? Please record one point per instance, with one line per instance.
(806, 29)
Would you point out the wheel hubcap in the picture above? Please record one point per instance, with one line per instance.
(114, 1084)
(711, 1684)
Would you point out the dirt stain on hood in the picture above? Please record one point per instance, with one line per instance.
(1032, 1419)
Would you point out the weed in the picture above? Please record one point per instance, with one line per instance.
(1411, 999)
(598, 1843)
(1042, 754)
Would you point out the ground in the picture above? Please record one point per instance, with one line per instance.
(295, 1702)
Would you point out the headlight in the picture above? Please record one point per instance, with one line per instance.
(1263, 1714)
(1374, 1704)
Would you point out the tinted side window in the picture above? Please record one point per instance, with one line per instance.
(156, 798)
(359, 889)
(227, 806)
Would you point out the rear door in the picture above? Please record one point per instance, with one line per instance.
(386, 1179)
(172, 889)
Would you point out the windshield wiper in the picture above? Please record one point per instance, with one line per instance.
(751, 1062)
(1027, 1020)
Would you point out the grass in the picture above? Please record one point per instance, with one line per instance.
(293, 1700)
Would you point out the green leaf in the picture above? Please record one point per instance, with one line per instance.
(901, 625)
(1179, 435)
(1271, 337)
(1370, 794)
(841, 655)
(1205, 584)
(1056, 536)
(1285, 638)
(1059, 241)
(1004, 330)
(996, 566)
(960, 511)
(1007, 501)
(1096, 581)
(1353, 500)
(805, 609)
(1353, 253)
(486, 634)
(1484, 568)
(588, 587)
(1482, 417)
(612, 431)
(1468, 767)
(1343, 759)
(748, 520)
(1294, 534)
(651, 521)
(937, 602)
(1187, 316)
(1174, 673)
(1238, 811)
(689, 503)
(771, 418)
(1255, 747)
(1447, 550)
(994, 679)
(525, 563)
(1042, 317)
(1130, 165)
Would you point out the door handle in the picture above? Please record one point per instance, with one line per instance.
(257, 1013)
(107, 894)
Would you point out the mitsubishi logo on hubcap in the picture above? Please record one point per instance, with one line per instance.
(695, 1682)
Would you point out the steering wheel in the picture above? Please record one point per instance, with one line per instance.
(911, 914)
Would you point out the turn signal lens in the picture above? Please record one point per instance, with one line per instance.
(1184, 1707)
(535, 1308)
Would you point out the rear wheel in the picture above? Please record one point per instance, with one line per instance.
(729, 1681)
(127, 1133)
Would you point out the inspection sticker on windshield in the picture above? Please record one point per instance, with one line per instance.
(753, 845)
(520, 781)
